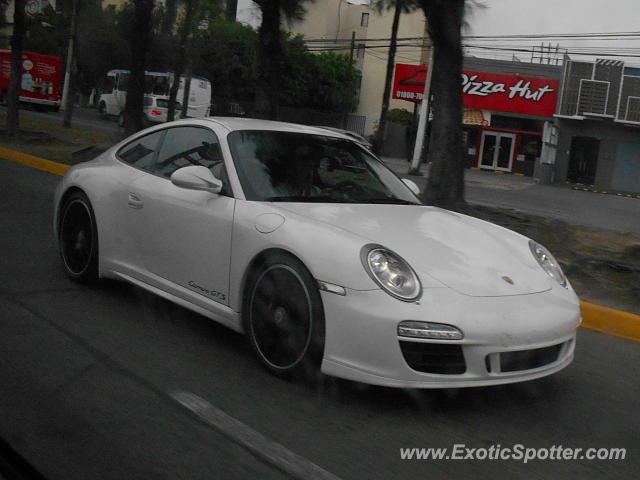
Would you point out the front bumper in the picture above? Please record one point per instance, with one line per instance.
(362, 342)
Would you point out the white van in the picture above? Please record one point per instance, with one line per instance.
(114, 96)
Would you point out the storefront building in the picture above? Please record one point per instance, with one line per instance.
(508, 108)
(599, 126)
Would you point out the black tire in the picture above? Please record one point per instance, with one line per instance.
(283, 317)
(102, 109)
(78, 238)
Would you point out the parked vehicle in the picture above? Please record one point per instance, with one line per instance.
(156, 108)
(114, 92)
(40, 81)
(324, 258)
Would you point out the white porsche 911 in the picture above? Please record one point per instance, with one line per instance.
(303, 240)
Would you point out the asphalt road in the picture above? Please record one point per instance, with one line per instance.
(87, 376)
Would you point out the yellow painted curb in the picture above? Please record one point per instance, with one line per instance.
(610, 321)
(34, 162)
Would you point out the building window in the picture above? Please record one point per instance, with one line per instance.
(360, 51)
(364, 20)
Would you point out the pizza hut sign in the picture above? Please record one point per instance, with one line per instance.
(487, 91)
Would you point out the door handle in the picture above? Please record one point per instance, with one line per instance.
(135, 201)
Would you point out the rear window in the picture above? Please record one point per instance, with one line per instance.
(163, 103)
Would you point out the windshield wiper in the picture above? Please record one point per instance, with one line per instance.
(305, 199)
(391, 200)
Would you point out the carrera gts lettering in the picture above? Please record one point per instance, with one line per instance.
(206, 291)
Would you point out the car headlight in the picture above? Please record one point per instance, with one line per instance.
(391, 272)
(548, 263)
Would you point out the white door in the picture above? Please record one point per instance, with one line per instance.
(183, 236)
(496, 151)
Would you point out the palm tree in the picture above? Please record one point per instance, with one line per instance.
(139, 41)
(445, 186)
(400, 6)
(19, 29)
(182, 60)
(270, 51)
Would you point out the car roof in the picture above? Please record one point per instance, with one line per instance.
(239, 123)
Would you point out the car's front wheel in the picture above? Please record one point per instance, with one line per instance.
(78, 238)
(284, 318)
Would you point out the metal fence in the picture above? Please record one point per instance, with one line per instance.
(355, 123)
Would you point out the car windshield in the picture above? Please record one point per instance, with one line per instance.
(281, 166)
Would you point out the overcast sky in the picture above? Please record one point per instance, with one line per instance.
(504, 17)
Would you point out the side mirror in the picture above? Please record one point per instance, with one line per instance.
(412, 186)
(196, 177)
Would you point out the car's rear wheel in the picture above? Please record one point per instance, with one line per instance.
(78, 238)
(283, 317)
(102, 109)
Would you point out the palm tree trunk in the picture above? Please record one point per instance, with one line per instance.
(13, 118)
(187, 88)
(270, 53)
(133, 112)
(445, 186)
(181, 60)
(169, 18)
(378, 141)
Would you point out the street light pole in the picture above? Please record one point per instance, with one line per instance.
(422, 121)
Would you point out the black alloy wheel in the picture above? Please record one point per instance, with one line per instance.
(284, 318)
(78, 238)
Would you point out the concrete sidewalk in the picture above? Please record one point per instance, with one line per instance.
(483, 177)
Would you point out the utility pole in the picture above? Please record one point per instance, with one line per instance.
(422, 121)
(67, 94)
(353, 46)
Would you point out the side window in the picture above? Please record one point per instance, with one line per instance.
(184, 146)
(141, 152)
(109, 84)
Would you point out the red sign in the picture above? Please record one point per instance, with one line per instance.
(40, 77)
(486, 91)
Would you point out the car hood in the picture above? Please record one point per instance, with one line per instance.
(471, 256)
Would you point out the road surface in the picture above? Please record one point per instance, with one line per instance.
(89, 377)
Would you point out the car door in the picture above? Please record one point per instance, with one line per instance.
(184, 236)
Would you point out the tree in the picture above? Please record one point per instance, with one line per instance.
(138, 41)
(231, 9)
(169, 17)
(181, 58)
(445, 186)
(225, 54)
(399, 7)
(325, 81)
(271, 54)
(19, 28)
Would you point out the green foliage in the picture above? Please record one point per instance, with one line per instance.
(223, 51)
(224, 54)
(400, 115)
(322, 82)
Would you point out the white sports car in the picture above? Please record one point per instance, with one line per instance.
(306, 242)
